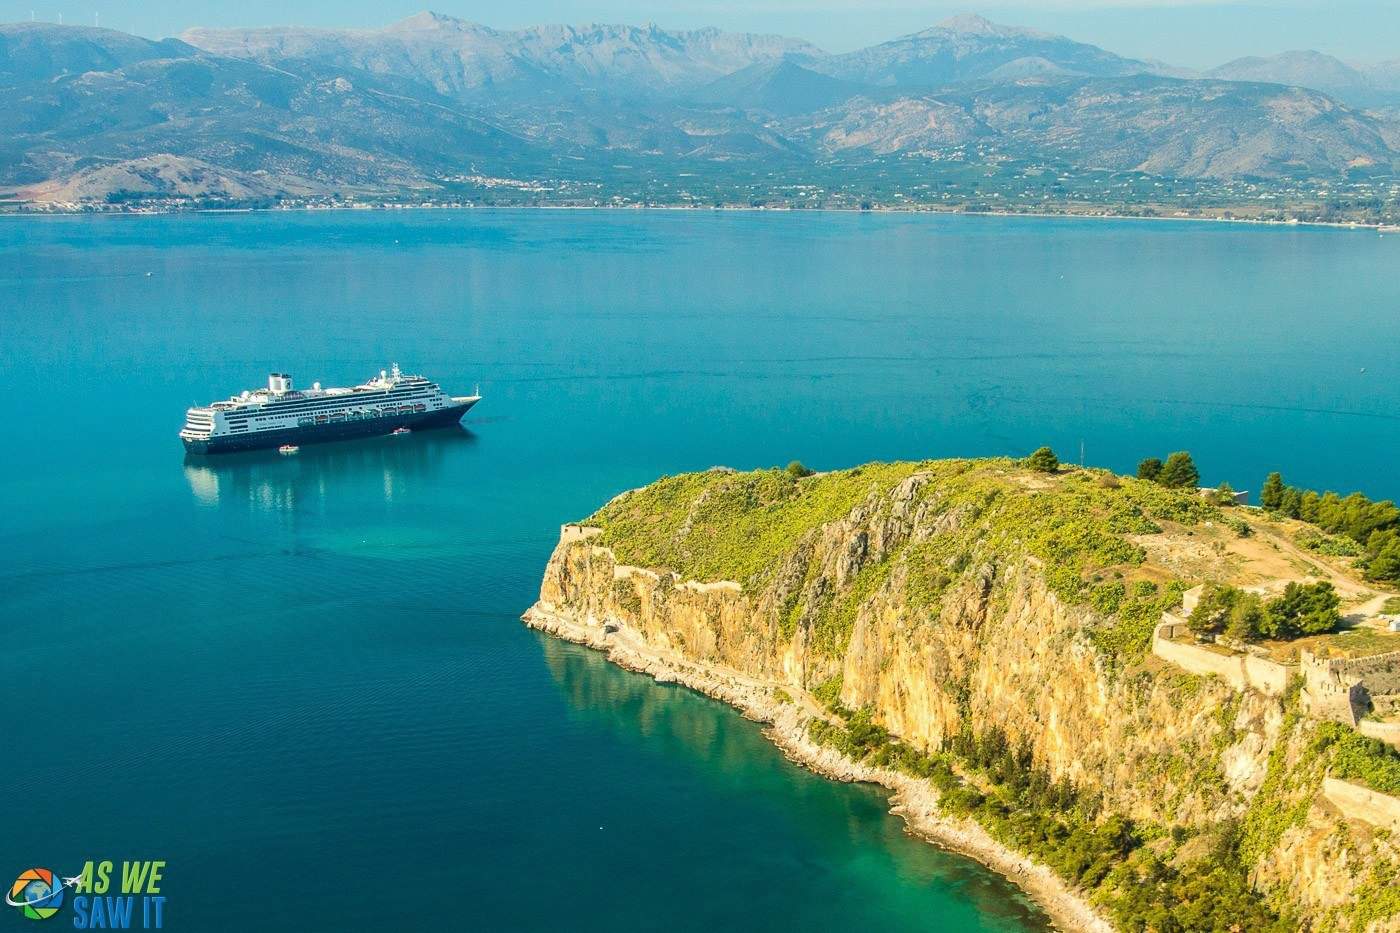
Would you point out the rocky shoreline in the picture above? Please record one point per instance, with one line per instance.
(914, 800)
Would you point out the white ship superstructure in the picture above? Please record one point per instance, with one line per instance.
(282, 414)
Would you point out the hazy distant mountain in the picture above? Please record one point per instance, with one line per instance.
(167, 98)
(783, 88)
(31, 50)
(458, 58)
(1386, 74)
(255, 113)
(1164, 126)
(1301, 68)
(882, 127)
(967, 48)
(1361, 85)
(165, 175)
(1188, 129)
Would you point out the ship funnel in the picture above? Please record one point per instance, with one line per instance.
(277, 383)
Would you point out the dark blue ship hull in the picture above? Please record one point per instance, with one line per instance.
(332, 431)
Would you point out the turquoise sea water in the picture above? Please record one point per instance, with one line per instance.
(302, 682)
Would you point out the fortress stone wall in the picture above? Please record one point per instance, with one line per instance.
(1361, 803)
(571, 533)
(1340, 689)
(1385, 731)
(1241, 671)
(1344, 689)
(1381, 672)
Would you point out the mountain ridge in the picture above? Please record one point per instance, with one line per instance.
(459, 57)
(421, 103)
(1363, 85)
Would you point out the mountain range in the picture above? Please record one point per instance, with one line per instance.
(1360, 85)
(420, 105)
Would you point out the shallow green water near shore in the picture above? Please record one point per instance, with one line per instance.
(302, 680)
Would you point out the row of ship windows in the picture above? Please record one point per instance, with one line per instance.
(338, 417)
(239, 424)
(297, 409)
(341, 397)
(404, 387)
(322, 406)
(372, 413)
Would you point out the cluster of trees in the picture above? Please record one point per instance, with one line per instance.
(1064, 828)
(1178, 472)
(1303, 609)
(1148, 892)
(1375, 526)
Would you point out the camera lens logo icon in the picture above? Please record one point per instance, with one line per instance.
(38, 893)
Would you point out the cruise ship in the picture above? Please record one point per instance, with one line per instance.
(282, 415)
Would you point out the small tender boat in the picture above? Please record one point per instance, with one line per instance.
(399, 431)
(288, 449)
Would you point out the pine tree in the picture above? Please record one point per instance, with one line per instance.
(1308, 506)
(1043, 460)
(1385, 566)
(1303, 609)
(1212, 609)
(1247, 617)
(1271, 496)
(1179, 471)
(1151, 468)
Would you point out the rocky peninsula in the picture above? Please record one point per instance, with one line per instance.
(978, 636)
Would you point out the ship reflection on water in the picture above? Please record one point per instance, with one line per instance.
(267, 481)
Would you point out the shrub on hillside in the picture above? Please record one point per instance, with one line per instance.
(1043, 461)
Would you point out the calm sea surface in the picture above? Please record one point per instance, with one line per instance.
(301, 681)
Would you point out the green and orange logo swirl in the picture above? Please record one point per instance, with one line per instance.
(38, 893)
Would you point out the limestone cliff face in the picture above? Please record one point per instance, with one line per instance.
(999, 649)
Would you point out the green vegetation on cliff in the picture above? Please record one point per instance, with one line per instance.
(1303, 609)
(1304, 754)
(722, 525)
(1134, 872)
(1079, 524)
(1374, 526)
(1356, 757)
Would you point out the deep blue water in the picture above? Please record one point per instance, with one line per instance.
(302, 682)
